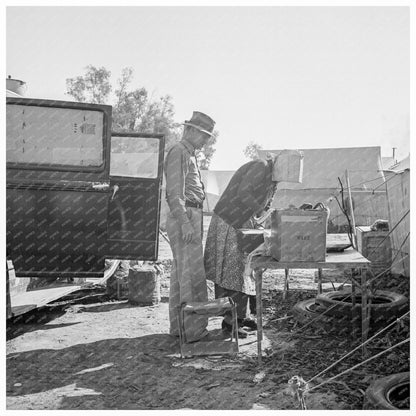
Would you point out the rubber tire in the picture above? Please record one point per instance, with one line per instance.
(381, 313)
(377, 393)
(308, 310)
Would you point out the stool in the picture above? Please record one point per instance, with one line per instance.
(213, 347)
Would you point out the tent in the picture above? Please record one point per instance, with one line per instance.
(398, 198)
(215, 182)
(10, 93)
(323, 172)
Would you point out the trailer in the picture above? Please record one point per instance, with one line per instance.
(76, 192)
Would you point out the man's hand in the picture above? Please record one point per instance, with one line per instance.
(187, 232)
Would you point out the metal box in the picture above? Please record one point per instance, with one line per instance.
(375, 246)
(298, 235)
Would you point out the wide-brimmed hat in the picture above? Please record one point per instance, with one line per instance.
(202, 122)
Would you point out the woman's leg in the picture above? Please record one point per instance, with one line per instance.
(252, 303)
(241, 300)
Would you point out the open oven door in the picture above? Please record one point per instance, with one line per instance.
(136, 170)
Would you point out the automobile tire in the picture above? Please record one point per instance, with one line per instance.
(389, 393)
(385, 307)
(309, 312)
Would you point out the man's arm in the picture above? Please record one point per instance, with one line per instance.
(176, 170)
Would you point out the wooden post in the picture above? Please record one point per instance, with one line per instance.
(319, 281)
(353, 310)
(258, 274)
(351, 209)
(365, 310)
(286, 284)
(8, 299)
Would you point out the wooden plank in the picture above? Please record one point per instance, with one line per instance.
(337, 241)
(347, 259)
(213, 307)
(8, 298)
(27, 301)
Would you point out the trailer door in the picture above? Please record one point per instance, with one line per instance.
(136, 169)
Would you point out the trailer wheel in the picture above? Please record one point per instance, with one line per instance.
(389, 393)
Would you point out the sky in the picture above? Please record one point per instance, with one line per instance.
(283, 77)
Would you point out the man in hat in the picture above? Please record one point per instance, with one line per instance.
(185, 196)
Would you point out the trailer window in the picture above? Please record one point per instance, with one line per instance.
(134, 157)
(54, 136)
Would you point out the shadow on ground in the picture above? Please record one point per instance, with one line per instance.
(33, 321)
(123, 374)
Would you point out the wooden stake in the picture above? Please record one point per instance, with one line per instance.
(354, 231)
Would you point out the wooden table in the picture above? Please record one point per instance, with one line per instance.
(348, 259)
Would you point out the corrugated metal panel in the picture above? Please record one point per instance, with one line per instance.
(398, 195)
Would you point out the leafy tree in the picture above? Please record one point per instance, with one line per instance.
(93, 87)
(207, 152)
(252, 150)
(133, 109)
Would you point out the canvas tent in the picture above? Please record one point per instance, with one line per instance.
(11, 94)
(398, 197)
(215, 182)
(322, 167)
(321, 170)
(388, 162)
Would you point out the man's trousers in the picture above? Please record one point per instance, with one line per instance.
(187, 280)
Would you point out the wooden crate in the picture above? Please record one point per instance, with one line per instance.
(375, 246)
(298, 235)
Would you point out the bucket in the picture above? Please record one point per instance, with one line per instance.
(144, 286)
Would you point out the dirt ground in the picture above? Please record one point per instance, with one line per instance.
(114, 355)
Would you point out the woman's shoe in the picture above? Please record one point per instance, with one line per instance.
(249, 323)
(226, 327)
